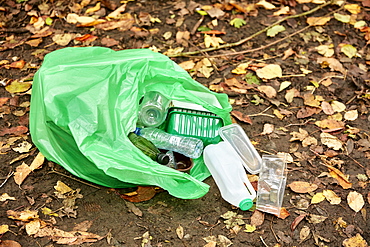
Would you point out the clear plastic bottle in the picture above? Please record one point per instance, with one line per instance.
(153, 109)
(229, 174)
(188, 146)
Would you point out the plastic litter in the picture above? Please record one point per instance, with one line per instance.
(85, 102)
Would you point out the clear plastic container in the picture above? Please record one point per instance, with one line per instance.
(230, 176)
(236, 137)
(271, 183)
(188, 146)
(153, 109)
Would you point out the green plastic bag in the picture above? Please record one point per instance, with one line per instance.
(85, 102)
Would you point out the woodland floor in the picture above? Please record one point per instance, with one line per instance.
(331, 88)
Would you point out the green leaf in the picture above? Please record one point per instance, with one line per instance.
(237, 22)
(349, 50)
(342, 18)
(203, 29)
(249, 228)
(48, 21)
(252, 79)
(275, 30)
(202, 12)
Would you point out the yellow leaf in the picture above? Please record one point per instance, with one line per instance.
(37, 162)
(62, 188)
(317, 21)
(325, 50)
(349, 50)
(23, 215)
(270, 71)
(249, 228)
(355, 201)
(48, 211)
(212, 41)
(3, 229)
(330, 141)
(338, 106)
(353, 8)
(340, 177)
(332, 197)
(356, 241)
(317, 198)
(18, 87)
(93, 9)
(241, 68)
(4, 197)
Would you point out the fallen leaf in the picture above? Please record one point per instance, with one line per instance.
(353, 8)
(317, 198)
(18, 87)
(302, 187)
(3, 229)
(9, 243)
(250, 228)
(355, 201)
(48, 211)
(268, 129)
(356, 241)
(283, 213)
(349, 50)
(4, 197)
(62, 39)
(143, 193)
(284, 85)
(118, 11)
(330, 141)
(23, 147)
(330, 124)
(351, 115)
(296, 221)
(311, 100)
(26, 215)
(332, 197)
(332, 63)
(266, 5)
(282, 11)
(257, 218)
(291, 93)
(17, 64)
(21, 173)
(325, 50)
(132, 208)
(33, 227)
(93, 9)
(317, 21)
(268, 90)
(187, 65)
(342, 18)
(37, 162)
(180, 232)
(83, 226)
(241, 116)
(62, 188)
(315, 219)
(270, 71)
(212, 41)
(340, 177)
(232, 219)
(241, 68)
(272, 32)
(307, 112)
(304, 233)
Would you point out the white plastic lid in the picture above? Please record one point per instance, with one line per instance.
(236, 137)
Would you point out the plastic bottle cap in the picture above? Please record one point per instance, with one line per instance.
(245, 204)
(163, 159)
(137, 131)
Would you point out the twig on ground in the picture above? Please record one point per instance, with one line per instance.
(272, 229)
(197, 25)
(300, 124)
(253, 35)
(6, 179)
(262, 113)
(263, 241)
(358, 163)
(59, 173)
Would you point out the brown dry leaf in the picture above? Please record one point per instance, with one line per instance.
(18, 87)
(123, 24)
(117, 12)
(212, 41)
(9, 243)
(257, 218)
(330, 124)
(14, 130)
(63, 39)
(83, 226)
(307, 112)
(327, 108)
(187, 65)
(241, 117)
(332, 63)
(62, 188)
(4, 197)
(332, 197)
(310, 140)
(21, 173)
(270, 71)
(315, 219)
(33, 227)
(109, 42)
(302, 187)
(268, 90)
(330, 141)
(268, 129)
(34, 42)
(355, 201)
(290, 94)
(318, 21)
(340, 177)
(22, 215)
(283, 213)
(311, 100)
(351, 115)
(356, 241)
(299, 136)
(143, 193)
(180, 232)
(37, 162)
(304, 233)
(265, 4)
(132, 208)
(296, 221)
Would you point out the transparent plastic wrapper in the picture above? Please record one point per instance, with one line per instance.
(271, 183)
(85, 102)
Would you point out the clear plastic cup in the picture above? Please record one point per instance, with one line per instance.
(153, 109)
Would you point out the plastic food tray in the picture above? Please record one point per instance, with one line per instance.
(199, 124)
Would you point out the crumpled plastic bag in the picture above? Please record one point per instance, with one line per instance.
(85, 102)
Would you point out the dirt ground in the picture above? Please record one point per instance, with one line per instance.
(170, 221)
